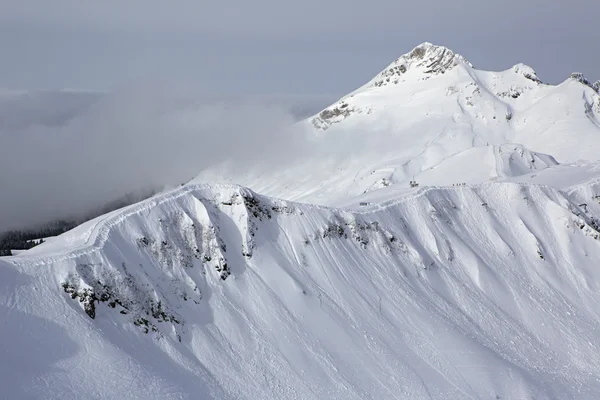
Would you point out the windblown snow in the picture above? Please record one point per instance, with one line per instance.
(478, 281)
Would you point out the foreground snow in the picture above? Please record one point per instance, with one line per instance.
(466, 292)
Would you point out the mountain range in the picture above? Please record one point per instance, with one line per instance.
(437, 237)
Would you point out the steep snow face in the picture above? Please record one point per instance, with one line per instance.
(218, 292)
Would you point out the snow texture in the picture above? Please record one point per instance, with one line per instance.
(482, 282)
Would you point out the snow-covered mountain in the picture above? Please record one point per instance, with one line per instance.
(482, 282)
(426, 108)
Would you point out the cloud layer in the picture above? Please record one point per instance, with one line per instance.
(64, 160)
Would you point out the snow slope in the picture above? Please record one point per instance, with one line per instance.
(430, 108)
(481, 283)
(479, 292)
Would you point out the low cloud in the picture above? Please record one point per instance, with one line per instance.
(60, 157)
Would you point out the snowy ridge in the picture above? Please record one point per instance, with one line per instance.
(424, 61)
(511, 106)
(91, 236)
(383, 136)
(578, 76)
(359, 297)
(479, 283)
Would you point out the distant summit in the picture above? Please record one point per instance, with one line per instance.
(430, 116)
(579, 77)
(426, 60)
(526, 71)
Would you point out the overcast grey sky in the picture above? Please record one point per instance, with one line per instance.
(277, 46)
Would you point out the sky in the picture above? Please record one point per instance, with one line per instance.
(308, 47)
(64, 155)
(155, 83)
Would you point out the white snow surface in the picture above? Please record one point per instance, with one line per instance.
(439, 112)
(480, 283)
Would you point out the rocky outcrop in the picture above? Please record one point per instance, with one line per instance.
(579, 77)
(428, 59)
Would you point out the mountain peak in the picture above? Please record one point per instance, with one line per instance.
(579, 77)
(426, 59)
(526, 71)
